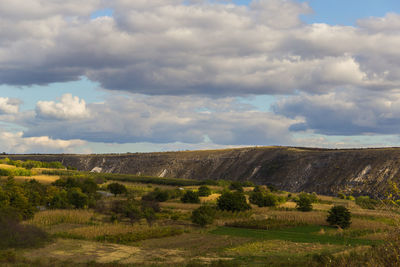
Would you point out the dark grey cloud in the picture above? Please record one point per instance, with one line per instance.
(175, 48)
(346, 112)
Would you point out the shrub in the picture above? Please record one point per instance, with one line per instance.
(304, 203)
(236, 186)
(366, 202)
(203, 215)
(77, 198)
(204, 191)
(257, 198)
(341, 195)
(259, 188)
(158, 195)
(232, 201)
(117, 188)
(190, 197)
(265, 200)
(340, 216)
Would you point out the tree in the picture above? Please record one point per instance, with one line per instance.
(304, 203)
(236, 186)
(204, 191)
(117, 189)
(257, 198)
(190, 197)
(233, 201)
(77, 198)
(339, 216)
(203, 215)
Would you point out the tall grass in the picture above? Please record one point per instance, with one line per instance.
(120, 233)
(54, 217)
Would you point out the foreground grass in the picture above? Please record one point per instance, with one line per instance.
(301, 234)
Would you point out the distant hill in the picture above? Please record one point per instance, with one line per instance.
(325, 171)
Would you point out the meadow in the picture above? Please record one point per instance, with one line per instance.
(150, 224)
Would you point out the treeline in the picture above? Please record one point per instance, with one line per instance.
(29, 164)
(130, 178)
(15, 172)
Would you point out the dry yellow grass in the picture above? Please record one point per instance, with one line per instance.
(6, 166)
(45, 179)
(210, 198)
(92, 231)
(54, 217)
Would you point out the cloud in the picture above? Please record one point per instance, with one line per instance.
(9, 106)
(160, 119)
(16, 143)
(344, 112)
(68, 108)
(195, 48)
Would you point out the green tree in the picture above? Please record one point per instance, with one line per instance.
(339, 216)
(236, 186)
(204, 191)
(77, 198)
(117, 188)
(190, 197)
(203, 215)
(233, 201)
(304, 203)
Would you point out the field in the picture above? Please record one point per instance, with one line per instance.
(261, 236)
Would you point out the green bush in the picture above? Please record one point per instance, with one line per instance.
(77, 198)
(304, 203)
(190, 197)
(204, 191)
(233, 201)
(236, 186)
(117, 188)
(265, 199)
(203, 215)
(366, 202)
(339, 216)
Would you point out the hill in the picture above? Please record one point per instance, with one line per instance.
(325, 171)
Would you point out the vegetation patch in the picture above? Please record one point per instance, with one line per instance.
(301, 234)
(55, 217)
(267, 224)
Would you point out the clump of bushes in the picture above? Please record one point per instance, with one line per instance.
(262, 199)
(204, 191)
(203, 215)
(190, 197)
(162, 195)
(134, 210)
(339, 216)
(29, 164)
(304, 201)
(15, 172)
(366, 202)
(117, 188)
(232, 201)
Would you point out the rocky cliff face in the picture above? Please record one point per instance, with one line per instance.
(363, 171)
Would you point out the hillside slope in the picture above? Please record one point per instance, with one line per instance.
(294, 169)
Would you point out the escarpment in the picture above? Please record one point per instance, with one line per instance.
(325, 171)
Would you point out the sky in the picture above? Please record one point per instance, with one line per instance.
(104, 76)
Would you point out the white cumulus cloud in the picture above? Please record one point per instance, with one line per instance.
(70, 107)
